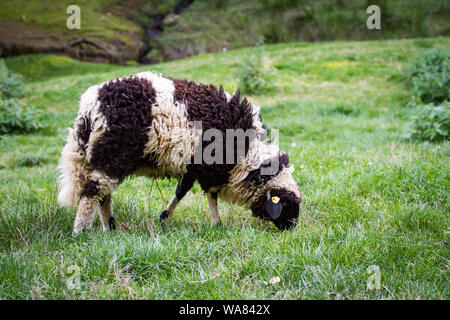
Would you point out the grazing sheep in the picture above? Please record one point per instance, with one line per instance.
(146, 124)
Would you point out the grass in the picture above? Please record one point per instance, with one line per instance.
(369, 197)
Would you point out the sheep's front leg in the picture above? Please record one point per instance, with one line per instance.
(213, 210)
(182, 188)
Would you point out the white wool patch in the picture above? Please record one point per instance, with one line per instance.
(164, 87)
(228, 96)
(258, 153)
(70, 166)
(88, 100)
(171, 137)
(285, 180)
(261, 133)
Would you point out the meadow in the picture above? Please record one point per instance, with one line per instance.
(371, 198)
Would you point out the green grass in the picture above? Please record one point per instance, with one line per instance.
(370, 198)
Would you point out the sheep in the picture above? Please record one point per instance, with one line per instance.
(146, 124)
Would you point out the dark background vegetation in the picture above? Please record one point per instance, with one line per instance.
(120, 31)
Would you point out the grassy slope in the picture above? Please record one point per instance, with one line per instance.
(369, 198)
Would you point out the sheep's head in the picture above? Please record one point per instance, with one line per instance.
(276, 195)
(280, 206)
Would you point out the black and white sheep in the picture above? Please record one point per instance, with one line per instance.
(144, 125)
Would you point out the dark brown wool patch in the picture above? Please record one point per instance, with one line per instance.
(209, 105)
(83, 127)
(126, 105)
(90, 189)
(255, 178)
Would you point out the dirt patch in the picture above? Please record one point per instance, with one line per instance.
(17, 39)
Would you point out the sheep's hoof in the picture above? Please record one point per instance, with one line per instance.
(78, 232)
(216, 224)
(163, 216)
(112, 224)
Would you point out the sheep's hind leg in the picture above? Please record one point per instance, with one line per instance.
(213, 210)
(182, 188)
(85, 215)
(106, 217)
(96, 195)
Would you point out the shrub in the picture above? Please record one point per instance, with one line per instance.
(430, 122)
(11, 84)
(15, 118)
(254, 76)
(280, 4)
(429, 75)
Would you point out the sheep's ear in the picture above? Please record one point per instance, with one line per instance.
(273, 206)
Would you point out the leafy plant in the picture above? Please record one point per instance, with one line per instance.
(280, 4)
(430, 123)
(11, 84)
(254, 75)
(429, 75)
(15, 118)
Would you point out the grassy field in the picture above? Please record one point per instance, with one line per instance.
(370, 198)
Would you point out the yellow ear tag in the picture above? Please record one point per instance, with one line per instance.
(275, 200)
